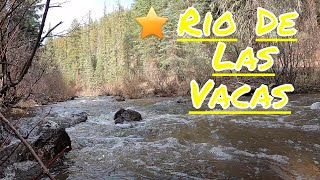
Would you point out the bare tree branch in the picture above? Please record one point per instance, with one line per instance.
(51, 162)
(50, 31)
(17, 133)
(4, 5)
(3, 161)
(28, 64)
(12, 9)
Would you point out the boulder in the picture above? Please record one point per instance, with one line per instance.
(67, 120)
(49, 125)
(52, 121)
(50, 143)
(48, 139)
(126, 115)
(118, 113)
(47, 145)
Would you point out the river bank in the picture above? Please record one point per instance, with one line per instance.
(25, 108)
(137, 88)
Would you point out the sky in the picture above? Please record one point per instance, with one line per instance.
(79, 9)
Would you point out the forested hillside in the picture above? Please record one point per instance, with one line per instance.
(107, 56)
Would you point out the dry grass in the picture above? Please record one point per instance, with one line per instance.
(50, 88)
(153, 84)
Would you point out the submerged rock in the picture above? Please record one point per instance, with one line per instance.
(126, 115)
(72, 98)
(310, 127)
(68, 120)
(315, 106)
(119, 98)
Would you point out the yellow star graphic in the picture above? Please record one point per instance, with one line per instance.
(152, 24)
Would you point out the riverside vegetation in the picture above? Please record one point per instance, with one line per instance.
(108, 57)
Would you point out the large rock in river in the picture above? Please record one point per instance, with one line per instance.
(126, 115)
(47, 145)
(67, 120)
(50, 143)
(49, 138)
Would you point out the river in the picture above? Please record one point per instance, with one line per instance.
(169, 144)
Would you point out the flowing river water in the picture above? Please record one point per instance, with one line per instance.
(169, 144)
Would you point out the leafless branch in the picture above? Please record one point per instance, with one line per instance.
(53, 161)
(3, 161)
(50, 31)
(25, 142)
(28, 63)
